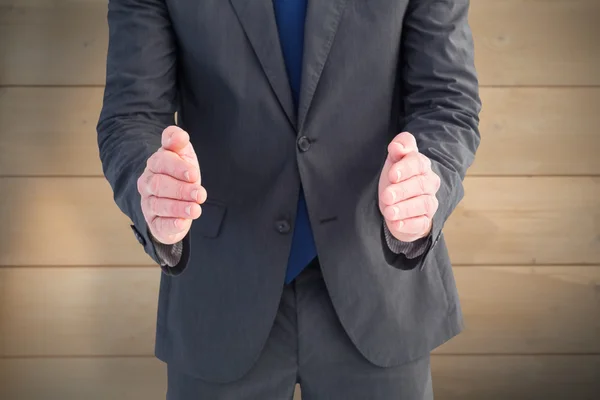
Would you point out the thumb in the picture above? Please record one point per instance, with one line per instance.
(177, 140)
(174, 139)
(403, 144)
(396, 151)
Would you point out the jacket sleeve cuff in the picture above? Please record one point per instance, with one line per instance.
(169, 255)
(410, 250)
(173, 259)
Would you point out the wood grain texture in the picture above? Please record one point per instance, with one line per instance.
(525, 131)
(52, 311)
(516, 377)
(53, 42)
(78, 311)
(64, 221)
(528, 310)
(74, 221)
(540, 42)
(49, 131)
(518, 42)
(454, 378)
(540, 220)
(539, 131)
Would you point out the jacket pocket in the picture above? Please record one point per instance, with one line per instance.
(211, 219)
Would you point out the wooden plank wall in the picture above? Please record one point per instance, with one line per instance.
(78, 295)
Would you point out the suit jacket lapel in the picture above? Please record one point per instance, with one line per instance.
(322, 20)
(257, 18)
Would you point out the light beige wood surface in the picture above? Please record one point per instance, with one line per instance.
(112, 311)
(525, 131)
(74, 221)
(49, 131)
(454, 378)
(539, 131)
(518, 42)
(528, 310)
(78, 311)
(540, 220)
(78, 295)
(536, 42)
(64, 221)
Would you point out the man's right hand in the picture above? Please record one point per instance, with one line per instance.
(170, 187)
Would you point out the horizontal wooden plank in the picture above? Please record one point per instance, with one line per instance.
(528, 310)
(112, 311)
(74, 221)
(516, 377)
(526, 221)
(454, 378)
(78, 311)
(64, 221)
(49, 131)
(82, 378)
(53, 42)
(525, 131)
(542, 42)
(539, 131)
(518, 42)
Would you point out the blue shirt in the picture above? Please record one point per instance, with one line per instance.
(290, 16)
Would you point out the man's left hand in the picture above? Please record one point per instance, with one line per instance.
(407, 188)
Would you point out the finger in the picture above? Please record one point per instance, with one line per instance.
(174, 139)
(169, 163)
(410, 165)
(412, 226)
(428, 183)
(177, 140)
(403, 144)
(162, 207)
(422, 205)
(166, 186)
(169, 230)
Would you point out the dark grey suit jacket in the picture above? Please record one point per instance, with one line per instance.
(371, 69)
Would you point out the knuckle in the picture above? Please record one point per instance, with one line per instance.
(424, 163)
(405, 137)
(179, 191)
(154, 184)
(174, 208)
(140, 184)
(422, 184)
(156, 227)
(426, 221)
(401, 192)
(153, 204)
(429, 204)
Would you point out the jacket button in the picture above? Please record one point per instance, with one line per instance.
(303, 143)
(283, 226)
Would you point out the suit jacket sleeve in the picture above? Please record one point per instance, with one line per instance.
(440, 97)
(140, 100)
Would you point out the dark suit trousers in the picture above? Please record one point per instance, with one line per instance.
(308, 345)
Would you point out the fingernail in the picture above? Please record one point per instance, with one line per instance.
(187, 175)
(188, 210)
(195, 195)
(176, 223)
(400, 224)
(393, 193)
(398, 175)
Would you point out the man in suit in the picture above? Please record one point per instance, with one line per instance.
(296, 206)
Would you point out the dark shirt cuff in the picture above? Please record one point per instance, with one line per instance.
(409, 249)
(168, 254)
